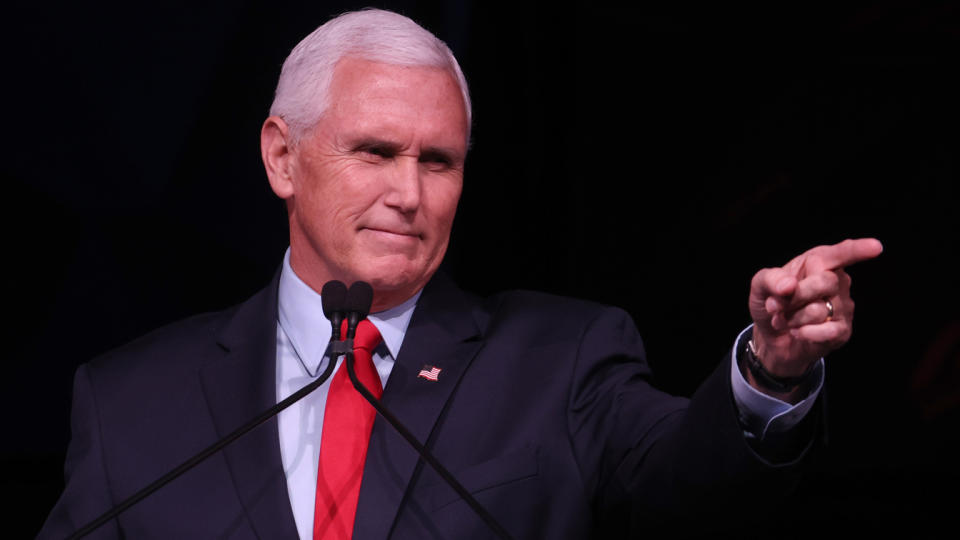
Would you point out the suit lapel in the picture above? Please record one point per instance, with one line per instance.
(238, 387)
(444, 332)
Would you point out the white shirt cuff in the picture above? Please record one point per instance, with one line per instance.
(761, 414)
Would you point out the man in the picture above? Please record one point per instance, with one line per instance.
(539, 405)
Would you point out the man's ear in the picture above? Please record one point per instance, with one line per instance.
(276, 149)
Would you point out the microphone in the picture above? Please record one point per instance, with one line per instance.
(359, 300)
(335, 300)
(354, 307)
(333, 296)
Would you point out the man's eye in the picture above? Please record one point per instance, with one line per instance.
(379, 152)
(436, 160)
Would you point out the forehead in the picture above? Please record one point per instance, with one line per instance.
(365, 94)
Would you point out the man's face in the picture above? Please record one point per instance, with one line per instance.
(376, 182)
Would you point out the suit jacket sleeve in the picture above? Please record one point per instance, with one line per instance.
(666, 463)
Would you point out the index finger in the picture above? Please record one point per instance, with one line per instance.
(844, 254)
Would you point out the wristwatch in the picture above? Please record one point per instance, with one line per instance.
(748, 352)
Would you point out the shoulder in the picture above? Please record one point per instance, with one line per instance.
(190, 343)
(532, 318)
(552, 310)
(540, 303)
(519, 309)
(173, 341)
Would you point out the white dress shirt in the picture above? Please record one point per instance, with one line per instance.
(303, 334)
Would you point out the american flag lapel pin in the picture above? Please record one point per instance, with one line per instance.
(430, 373)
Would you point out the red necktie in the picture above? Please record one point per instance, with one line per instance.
(343, 444)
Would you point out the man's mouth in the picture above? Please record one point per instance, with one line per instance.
(387, 233)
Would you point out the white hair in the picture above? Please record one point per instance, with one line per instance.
(303, 91)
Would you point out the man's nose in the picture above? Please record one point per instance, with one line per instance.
(404, 185)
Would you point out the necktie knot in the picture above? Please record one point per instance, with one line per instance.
(367, 336)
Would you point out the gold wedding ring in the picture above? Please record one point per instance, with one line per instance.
(829, 310)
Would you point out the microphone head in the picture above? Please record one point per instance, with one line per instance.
(360, 298)
(333, 295)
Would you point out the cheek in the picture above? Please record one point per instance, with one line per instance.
(443, 202)
(335, 193)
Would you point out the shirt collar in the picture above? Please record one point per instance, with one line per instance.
(301, 318)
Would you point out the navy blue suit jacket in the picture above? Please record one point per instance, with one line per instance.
(543, 409)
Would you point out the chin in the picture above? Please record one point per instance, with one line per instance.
(392, 282)
(394, 278)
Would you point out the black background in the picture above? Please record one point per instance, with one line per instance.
(648, 158)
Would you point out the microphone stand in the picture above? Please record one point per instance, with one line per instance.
(209, 451)
(422, 450)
